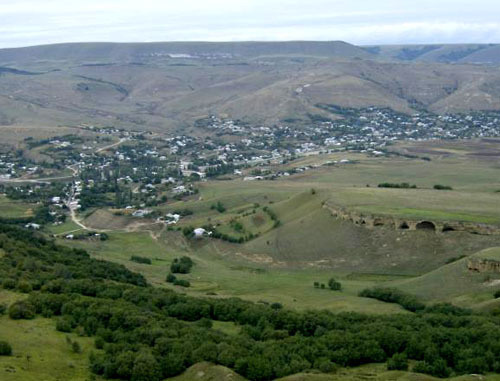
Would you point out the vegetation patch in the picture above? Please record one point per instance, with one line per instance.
(139, 259)
(392, 295)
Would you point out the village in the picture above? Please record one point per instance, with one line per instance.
(136, 171)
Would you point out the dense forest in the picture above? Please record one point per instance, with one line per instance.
(146, 333)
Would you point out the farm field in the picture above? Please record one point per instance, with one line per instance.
(14, 209)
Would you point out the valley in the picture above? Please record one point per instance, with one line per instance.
(292, 211)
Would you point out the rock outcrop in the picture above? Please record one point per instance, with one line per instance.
(482, 265)
(398, 223)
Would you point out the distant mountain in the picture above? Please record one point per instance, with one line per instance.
(448, 53)
(141, 51)
(168, 86)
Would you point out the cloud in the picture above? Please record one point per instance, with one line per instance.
(29, 22)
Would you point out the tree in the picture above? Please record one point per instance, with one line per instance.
(146, 367)
(398, 362)
(5, 348)
(22, 310)
(334, 285)
(75, 347)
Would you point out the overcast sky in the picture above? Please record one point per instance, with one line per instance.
(34, 22)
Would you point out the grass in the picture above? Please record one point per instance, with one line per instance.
(377, 372)
(454, 282)
(40, 352)
(65, 228)
(218, 270)
(208, 372)
(310, 245)
(14, 209)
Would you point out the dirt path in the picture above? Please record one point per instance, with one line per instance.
(111, 145)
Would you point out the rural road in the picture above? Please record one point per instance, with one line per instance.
(111, 145)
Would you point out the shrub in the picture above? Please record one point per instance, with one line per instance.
(219, 207)
(138, 259)
(324, 365)
(182, 283)
(188, 231)
(63, 325)
(393, 295)
(3, 308)
(171, 278)
(75, 347)
(442, 187)
(5, 348)
(497, 294)
(24, 286)
(181, 265)
(334, 285)
(9, 284)
(22, 310)
(398, 362)
(397, 185)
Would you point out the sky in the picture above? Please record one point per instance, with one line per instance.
(361, 22)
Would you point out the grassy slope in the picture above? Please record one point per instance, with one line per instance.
(376, 372)
(454, 282)
(50, 356)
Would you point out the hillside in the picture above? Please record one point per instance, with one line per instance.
(168, 86)
(445, 53)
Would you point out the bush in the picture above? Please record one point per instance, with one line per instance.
(182, 283)
(442, 187)
(181, 265)
(171, 278)
(393, 295)
(22, 310)
(5, 348)
(9, 284)
(219, 207)
(497, 294)
(75, 347)
(334, 285)
(3, 308)
(398, 362)
(138, 259)
(63, 325)
(396, 185)
(324, 365)
(24, 287)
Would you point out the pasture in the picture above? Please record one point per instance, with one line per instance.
(14, 209)
(39, 352)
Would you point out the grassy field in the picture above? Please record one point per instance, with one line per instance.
(39, 352)
(219, 269)
(454, 282)
(13, 209)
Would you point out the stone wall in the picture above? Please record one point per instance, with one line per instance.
(398, 223)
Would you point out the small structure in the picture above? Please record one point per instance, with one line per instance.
(199, 232)
(141, 213)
